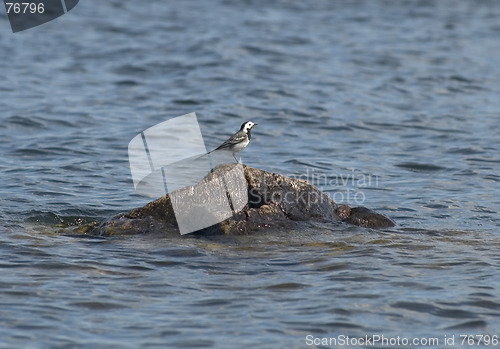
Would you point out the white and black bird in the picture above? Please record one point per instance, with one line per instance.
(238, 141)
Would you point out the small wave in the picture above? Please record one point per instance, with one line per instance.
(418, 167)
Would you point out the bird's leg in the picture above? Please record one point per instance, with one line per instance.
(234, 156)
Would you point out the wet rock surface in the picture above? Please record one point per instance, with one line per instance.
(364, 217)
(274, 202)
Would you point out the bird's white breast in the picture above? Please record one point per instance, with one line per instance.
(239, 147)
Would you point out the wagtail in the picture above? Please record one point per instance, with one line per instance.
(238, 141)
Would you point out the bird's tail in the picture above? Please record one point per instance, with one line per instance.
(203, 155)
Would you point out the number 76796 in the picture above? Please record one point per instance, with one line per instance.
(25, 7)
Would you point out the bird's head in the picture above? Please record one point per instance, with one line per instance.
(247, 126)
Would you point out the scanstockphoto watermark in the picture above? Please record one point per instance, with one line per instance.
(348, 187)
(343, 188)
(373, 340)
(171, 157)
(376, 340)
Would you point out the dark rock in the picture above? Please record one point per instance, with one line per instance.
(363, 217)
(274, 202)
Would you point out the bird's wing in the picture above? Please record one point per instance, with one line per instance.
(234, 139)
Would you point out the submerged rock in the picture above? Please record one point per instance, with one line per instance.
(363, 217)
(274, 202)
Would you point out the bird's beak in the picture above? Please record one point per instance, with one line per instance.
(254, 125)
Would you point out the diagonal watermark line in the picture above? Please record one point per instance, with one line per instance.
(64, 6)
(164, 179)
(147, 151)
